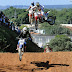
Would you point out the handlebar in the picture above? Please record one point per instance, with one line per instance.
(22, 38)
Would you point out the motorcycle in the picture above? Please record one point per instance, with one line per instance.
(21, 47)
(40, 18)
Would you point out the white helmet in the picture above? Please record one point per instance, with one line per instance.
(37, 4)
(47, 44)
(24, 30)
(32, 3)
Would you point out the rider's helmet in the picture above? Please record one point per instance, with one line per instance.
(37, 4)
(47, 44)
(24, 30)
(32, 3)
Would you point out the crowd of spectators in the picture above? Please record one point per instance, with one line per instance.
(5, 21)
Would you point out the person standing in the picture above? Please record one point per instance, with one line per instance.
(47, 49)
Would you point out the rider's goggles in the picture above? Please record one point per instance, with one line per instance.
(24, 30)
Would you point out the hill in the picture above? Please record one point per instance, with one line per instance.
(8, 42)
(45, 6)
(58, 6)
(36, 62)
(7, 39)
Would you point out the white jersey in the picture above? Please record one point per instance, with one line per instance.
(40, 7)
(31, 9)
(21, 41)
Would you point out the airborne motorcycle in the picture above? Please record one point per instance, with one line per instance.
(38, 17)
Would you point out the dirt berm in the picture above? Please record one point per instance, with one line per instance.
(36, 62)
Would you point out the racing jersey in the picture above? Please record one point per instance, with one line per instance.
(27, 34)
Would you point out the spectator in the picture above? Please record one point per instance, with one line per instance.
(13, 26)
(47, 49)
(0, 20)
(4, 17)
(19, 31)
(16, 28)
(6, 21)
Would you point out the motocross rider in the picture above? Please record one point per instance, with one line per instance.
(40, 9)
(24, 34)
(30, 12)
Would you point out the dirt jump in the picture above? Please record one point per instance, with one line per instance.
(36, 62)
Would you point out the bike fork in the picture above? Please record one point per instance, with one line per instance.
(36, 22)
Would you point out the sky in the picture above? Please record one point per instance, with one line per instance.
(28, 2)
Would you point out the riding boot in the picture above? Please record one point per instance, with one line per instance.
(31, 21)
(22, 51)
(42, 19)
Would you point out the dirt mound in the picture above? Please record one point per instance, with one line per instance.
(36, 62)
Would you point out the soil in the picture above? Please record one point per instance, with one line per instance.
(36, 62)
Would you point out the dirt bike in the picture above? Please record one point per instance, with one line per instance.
(21, 48)
(37, 17)
(40, 18)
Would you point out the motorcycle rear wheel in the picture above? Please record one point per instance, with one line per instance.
(36, 24)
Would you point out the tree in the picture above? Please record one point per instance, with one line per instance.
(61, 43)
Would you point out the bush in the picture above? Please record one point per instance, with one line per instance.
(55, 29)
(61, 43)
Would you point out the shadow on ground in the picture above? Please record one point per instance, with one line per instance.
(46, 65)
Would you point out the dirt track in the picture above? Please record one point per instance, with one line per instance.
(36, 62)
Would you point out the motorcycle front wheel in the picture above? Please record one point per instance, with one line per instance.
(20, 54)
(51, 20)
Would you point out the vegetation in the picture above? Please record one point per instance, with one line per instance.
(55, 29)
(7, 40)
(20, 16)
(61, 43)
(62, 16)
(22, 26)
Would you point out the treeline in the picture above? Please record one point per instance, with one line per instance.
(55, 29)
(64, 16)
(21, 16)
(61, 43)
